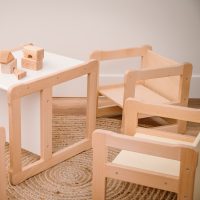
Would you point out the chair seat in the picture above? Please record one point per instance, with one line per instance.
(149, 162)
(142, 93)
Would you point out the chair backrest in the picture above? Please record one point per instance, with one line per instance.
(2, 165)
(133, 107)
(120, 57)
(169, 87)
(174, 88)
(120, 53)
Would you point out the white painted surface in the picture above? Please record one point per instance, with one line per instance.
(30, 115)
(76, 28)
(30, 105)
(52, 63)
(73, 88)
(30, 123)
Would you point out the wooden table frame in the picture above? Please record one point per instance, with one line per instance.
(2, 165)
(44, 86)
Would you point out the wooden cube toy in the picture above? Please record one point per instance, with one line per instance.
(33, 52)
(31, 64)
(33, 57)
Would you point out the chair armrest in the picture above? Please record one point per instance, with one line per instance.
(144, 74)
(162, 110)
(120, 53)
(130, 143)
(132, 77)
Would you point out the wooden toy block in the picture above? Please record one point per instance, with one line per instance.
(31, 64)
(6, 57)
(9, 67)
(33, 52)
(19, 73)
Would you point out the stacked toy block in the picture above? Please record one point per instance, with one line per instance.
(7, 62)
(19, 73)
(33, 57)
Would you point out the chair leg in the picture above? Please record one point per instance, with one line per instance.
(99, 160)
(107, 110)
(98, 187)
(189, 160)
(122, 124)
(181, 126)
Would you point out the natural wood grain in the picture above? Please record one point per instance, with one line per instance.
(31, 64)
(44, 87)
(19, 73)
(9, 67)
(165, 78)
(153, 149)
(46, 123)
(99, 159)
(33, 52)
(2, 165)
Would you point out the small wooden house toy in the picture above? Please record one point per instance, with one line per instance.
(33, 57)
(7, 62)
(6, 56)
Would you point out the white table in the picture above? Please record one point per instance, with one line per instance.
(26, 111)
(30, 108)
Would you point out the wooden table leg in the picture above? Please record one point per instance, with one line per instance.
(44, 86)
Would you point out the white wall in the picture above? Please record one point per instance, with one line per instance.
(76, 27)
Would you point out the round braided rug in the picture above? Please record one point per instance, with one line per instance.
(72, 179)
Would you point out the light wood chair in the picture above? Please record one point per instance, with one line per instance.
(2, 166)
(156, 80)
(150, 157)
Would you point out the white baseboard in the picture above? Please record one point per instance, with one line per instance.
(77, 87)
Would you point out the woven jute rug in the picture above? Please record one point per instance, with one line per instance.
(72, 179)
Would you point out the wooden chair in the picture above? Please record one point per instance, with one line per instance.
(2, 166)
(150, 157)
(157, 80)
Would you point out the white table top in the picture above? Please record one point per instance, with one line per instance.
(52, 63)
